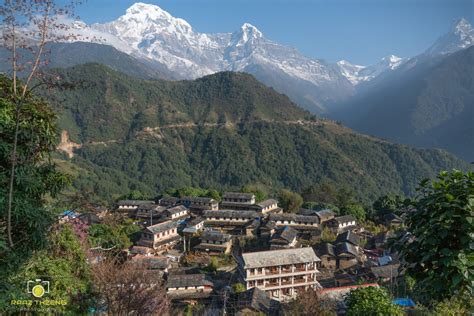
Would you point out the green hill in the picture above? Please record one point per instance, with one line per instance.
(221, 131)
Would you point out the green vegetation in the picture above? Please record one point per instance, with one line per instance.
(371, 301)
(36, 178)
(290, 201)
(222, 131)
(439, 251)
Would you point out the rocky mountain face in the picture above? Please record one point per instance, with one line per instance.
(150, 33)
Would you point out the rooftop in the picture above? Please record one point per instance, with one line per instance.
(231, 214)
(267, 203)
(238, 195)
(294, 218)
(278, 257)
(348, 236)
(286, 233)
(183, 280)
(134, 202)
(176, 209)
(160, 227)
(345, 219)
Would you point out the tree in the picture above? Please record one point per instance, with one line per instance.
(371, 301)
(387, 204)
(260, 191)
(308, 303)
(63, 264)
(290, 201)
(27, 27)
(438, 250)
(238, 288)
(128, 289)
(29, 219)
(355, 210)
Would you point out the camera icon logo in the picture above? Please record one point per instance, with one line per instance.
(38, 287)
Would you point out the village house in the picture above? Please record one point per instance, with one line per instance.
(341, 223)
(256, 302)
(283, 238)
(300, 222)
(267, 206)
(130, 205)
(349, 237)
(189, 286)
(238, 198)
(214, 243)
(160, 236)
(267, 229)
(176, 212)
(325, 215)
(231, 221)
(199, 204)
(342, 255)
(150, 213)
(281, 273)
(157, 263)
(194, 226)
(168, 201)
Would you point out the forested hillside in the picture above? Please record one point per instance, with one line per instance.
(221, 131)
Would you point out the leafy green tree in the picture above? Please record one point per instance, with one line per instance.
(371, 301)
(260, 191)
(318, 206)
(457, 305)
(36, 175)
(387, 204)
(290, 201)
(62, 263)
(118, 234)
(238, 287)
(439, 252)
(355, 210)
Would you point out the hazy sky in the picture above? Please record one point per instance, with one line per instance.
(361, 31)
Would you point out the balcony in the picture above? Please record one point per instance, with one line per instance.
(298, 281)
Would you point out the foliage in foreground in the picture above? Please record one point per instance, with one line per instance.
(371, 301)
(438, 249)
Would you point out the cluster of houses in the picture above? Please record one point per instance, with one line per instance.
(289, 257)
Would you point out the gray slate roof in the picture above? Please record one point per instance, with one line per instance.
(286, 233)
(134, 202)
(215, 235)
(267, 203)
(231, 214)
(278, 257)
(257, 300)
(295, 218)
(348, 236)
(238, 195)
(161, 227)
(176, 209)
(183, 280)
(344, 219)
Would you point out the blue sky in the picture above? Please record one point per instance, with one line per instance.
(361, 31)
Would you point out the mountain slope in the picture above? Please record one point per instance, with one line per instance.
(430, 104)
(224, 131)
(147, 32)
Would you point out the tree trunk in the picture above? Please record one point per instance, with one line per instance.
(12, 175)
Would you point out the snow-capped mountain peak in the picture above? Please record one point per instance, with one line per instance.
(461, 35)
(357, 73)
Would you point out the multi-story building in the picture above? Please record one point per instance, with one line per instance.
(149, 213)
(130, 205)
(281, 273)
(199, 204)
(296, 221)
(160, 236)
